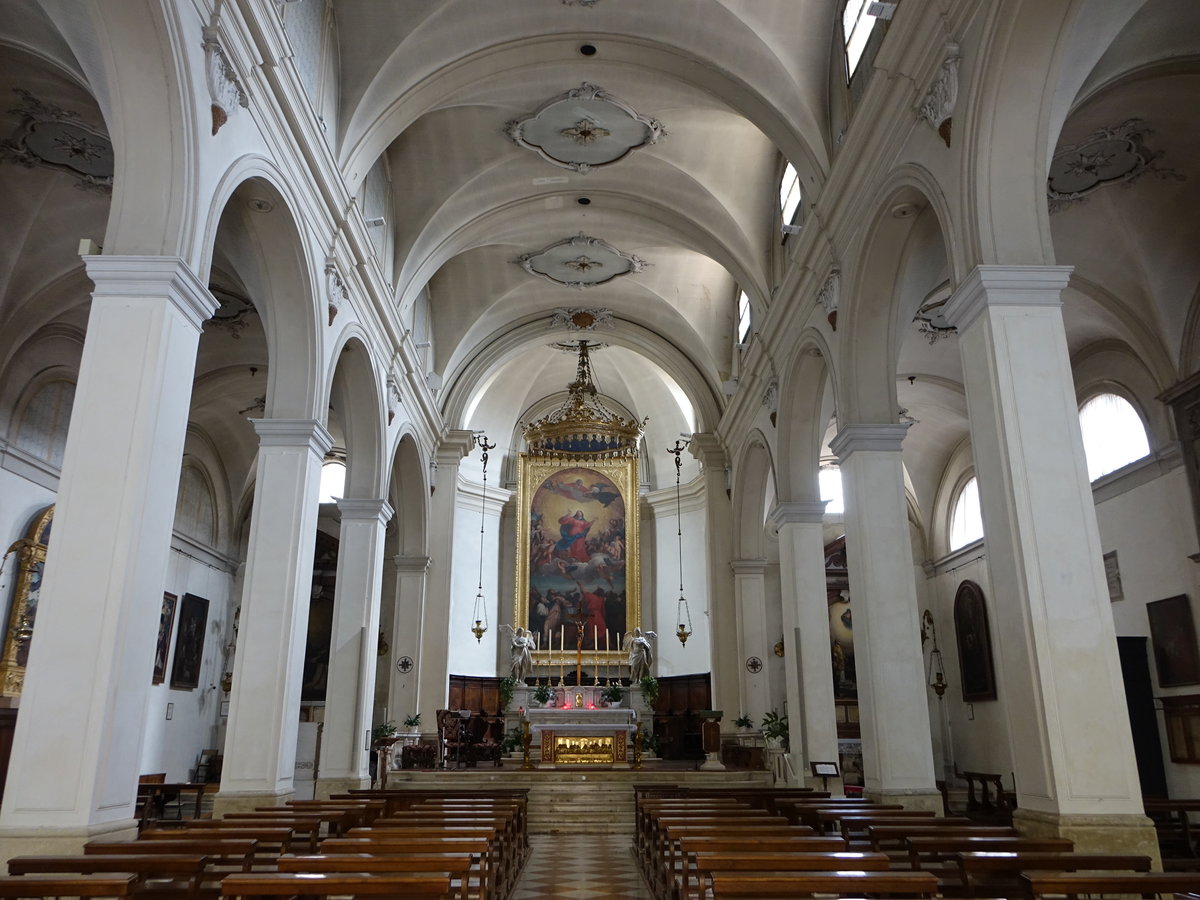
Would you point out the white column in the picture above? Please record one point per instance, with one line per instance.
(750, 599)
(722, 610)
(812, 719)
(75, 755)
(897, 749)
(433, 671)
(345, 740)
(264, 708)
(1061, 681)
(406, 632)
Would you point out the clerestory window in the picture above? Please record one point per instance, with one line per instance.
(1113, 434)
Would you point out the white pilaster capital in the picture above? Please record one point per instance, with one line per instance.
(799, 512)
(152, 278)
(989, 287)
(410, 565)
(707, 447)
(293, 433)
(364, 510)
(877, 438)
(454, 446)
(748, 566)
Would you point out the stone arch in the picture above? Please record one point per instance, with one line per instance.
(408, 493)
(356, 400)
(808, 397)
(251, 217)
(753, 474)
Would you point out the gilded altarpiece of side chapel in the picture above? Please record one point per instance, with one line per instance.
(577, 572)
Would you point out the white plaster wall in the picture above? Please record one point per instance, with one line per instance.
(466, 656)
(174, 746)
(663, 594)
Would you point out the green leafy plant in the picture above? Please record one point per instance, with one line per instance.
(612, 693)
(776, 726)
(743, 721)
(542, 693)
(649, 686)
(511, 742)
(508, 684)
(413, 721)
(383, 730)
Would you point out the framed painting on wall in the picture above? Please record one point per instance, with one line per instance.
(974, 644)
(1173, 636)
(166, 621)
(189, 642)
(577, 559)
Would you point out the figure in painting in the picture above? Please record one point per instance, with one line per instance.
(573, 541)
(641, 654)
(521, 659)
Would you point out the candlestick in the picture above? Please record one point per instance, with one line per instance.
(607, 661)
(562, 654)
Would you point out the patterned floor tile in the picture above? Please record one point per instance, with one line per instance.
(581, 867)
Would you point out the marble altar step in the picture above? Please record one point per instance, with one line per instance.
(575, 800)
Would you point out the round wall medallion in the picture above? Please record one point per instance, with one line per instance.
(404, 664)
(754, 664)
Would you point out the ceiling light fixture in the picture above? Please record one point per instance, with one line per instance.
(588, 49)
(683, 614)
(479, 614)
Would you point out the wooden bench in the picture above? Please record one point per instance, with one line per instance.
(788, 887)
(180, 872)
(271, 839)
(1040, 884)
(709, 864)
(890, 838)
(494, 878)
(113, 884)
(316, 884)
(678, 867)
(456, 866)
(934, 853)
(1000, 871)
(220, 851)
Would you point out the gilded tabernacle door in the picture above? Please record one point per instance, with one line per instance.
(577, 530)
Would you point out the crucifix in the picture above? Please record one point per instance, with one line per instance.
(579, 617)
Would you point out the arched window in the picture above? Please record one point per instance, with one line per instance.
(43, 429)
(333, 480)
(195, 514)
(1113, 434)
(789, 199)
(743, 312)
(829, 480)
(857, 23)
(966, 518)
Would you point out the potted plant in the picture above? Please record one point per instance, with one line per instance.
(743, 721)
(775, 729)
(508, 684)
(649, 686)
(383, 731)
(542, 694)
(413, 722)
(612, 694)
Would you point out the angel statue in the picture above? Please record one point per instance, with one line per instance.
(521, 660)
(641, 654)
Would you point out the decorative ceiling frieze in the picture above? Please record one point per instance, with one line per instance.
(55, 138)
(233, 311)
(582, 318)
(580, 261)
(1106, 156)
(583, 129)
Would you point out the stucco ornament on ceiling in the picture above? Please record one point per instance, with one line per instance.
(1106, 156)
(580, 261)
(225, 91)
(56, 138)
(583, 319)
(584, 128)
(233, 312)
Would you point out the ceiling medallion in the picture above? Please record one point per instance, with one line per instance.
(584, 128)
(56, 138)
(1106, 156)
(563, 263)
(581, 319)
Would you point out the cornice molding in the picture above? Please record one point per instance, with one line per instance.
(994, 287)
(850, 439)
(152, 278)
(364, 510)
(293, 433)
(797, 512)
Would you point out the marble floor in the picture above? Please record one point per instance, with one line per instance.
(581, 867)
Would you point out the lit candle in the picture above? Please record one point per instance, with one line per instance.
(607, 661)
(562, 652)
(595, 637)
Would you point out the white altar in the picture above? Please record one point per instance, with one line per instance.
(578, 730)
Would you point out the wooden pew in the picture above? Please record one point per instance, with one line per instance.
(173, 869)
(494, 879)
(1000, 871)
(798, 884)
(939, 853)
(113, 884)
(271, 839)
(689, 845)
(220, 851)
(306, 831)
(890, 838)
(456, 866)
(1040, 884)
(358, 884)
(709, 864)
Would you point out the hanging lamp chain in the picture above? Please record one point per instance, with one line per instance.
(479, 615)
(684, 614)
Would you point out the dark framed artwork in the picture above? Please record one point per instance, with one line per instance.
(189, 642)
(1173, 636)
(974, 644)
(162, 648)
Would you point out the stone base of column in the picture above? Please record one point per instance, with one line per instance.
(327, 787)
(914, 799)
(47, 841)
(1121, 833)
(227, 802)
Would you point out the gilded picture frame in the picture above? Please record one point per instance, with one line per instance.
(577, 545)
